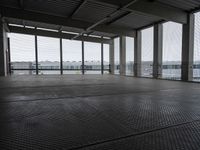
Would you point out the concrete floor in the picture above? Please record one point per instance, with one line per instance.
(98, 112)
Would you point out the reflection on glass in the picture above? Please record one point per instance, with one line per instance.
(129, 56)
(196, 61)
(48, 55)
(147, 52)
(116, 56)
(72, 57)
(172, 50)
(92, 56)
(22, 51)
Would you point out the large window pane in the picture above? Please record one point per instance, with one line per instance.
(92, 56)
(116, 56)
(172, 50)
(196, 66)
(147, 52)
(106, 58)
(48, 55)
(72, 57)
(22, 50)
(129, 56)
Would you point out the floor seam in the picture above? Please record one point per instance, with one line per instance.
(83, 96)
(69, 85)
(132, 135)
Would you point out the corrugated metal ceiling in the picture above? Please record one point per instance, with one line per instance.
(10, 3)
(92, 11)
(187, 5)
(54, 27)
(56, 7)
(136, 20)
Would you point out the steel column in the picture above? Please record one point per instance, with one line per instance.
(61, 57)
(3, 48)
(112, 64)
(137, 54)
(102, 63)
(83, 59)
(122, 55)
(188, 49)
(157, 56)
(36, 54)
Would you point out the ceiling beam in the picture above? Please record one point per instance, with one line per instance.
(78, 8)
(106, 18)
(38, 32)
(163, 11)
(153, 8)
(21, 4)
(127, 32)
(58, 20)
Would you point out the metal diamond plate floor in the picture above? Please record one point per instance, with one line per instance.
(98, 113)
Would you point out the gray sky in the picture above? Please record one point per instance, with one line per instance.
(172, 43)
(22, 49)
(197, 37)
(147, 44)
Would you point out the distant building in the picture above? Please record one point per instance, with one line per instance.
(170, 70)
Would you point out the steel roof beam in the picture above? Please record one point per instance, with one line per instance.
(55, 34)
(78, 8)
(21, 4)
(58, 20)
(163, 11)
(106, 18)
(153, 8)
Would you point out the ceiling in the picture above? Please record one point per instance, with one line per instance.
(90, 14)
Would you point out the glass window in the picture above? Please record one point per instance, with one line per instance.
(196, 61)
(48, 55)
(92, 56)
(22, 51)
(106, 58)
(72, 56)
(129, 56)
(116, 56)
(147, 52)
(172, 51)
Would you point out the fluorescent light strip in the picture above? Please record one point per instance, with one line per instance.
(45, 29)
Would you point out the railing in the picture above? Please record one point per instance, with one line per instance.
(57, 68)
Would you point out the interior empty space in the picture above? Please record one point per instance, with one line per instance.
(99, 74)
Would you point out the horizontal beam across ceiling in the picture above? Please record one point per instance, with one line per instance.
(38, 32)
(58, 20)
(153, 8)
(163, 11)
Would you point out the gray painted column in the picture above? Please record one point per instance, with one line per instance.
(3, 49)
(102, 60)
(158, 44)
(188, 49)
(61, 57)
(112, 64)
(83, 59)
(122, 51)
(36, 55)
(9, 58)
(137, 54)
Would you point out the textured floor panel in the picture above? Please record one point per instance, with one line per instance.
(38, 93)
(183, 137)
(54, 124)
(101, 110)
